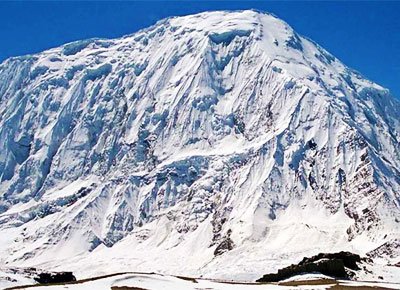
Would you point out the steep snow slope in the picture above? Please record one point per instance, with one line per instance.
(221, 143)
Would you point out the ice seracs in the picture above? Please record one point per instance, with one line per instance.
(150, 151)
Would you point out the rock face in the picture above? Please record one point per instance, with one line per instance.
(226, 245)
(156, 144)
(335, 265)
(388, 250)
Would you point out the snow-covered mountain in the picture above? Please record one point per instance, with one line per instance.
(221, 144)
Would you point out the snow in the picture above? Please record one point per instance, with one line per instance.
(143, 152)
(370, 284)
(10, 279)
(305, 277)
(165, 282)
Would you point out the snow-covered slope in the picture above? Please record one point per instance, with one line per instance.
(221, 144)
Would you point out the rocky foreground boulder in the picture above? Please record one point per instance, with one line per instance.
(55, 277)
(338, 265)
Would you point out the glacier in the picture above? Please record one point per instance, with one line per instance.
(222, 130)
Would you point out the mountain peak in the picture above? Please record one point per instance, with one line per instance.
(219, 130)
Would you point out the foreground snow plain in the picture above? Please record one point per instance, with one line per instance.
(163, 282)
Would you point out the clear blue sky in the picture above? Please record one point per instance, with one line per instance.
(364, 35)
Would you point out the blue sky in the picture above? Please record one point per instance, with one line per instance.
(364, 35)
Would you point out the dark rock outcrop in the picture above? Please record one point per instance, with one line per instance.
(226, 245)
(57, 277)
(350, 260)
(338, 265)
